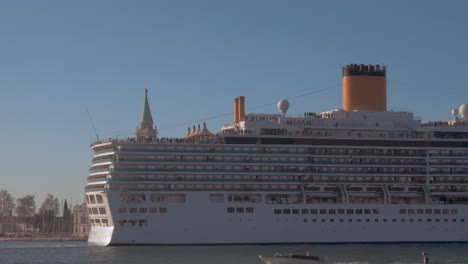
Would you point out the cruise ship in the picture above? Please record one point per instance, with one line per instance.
(359, 174)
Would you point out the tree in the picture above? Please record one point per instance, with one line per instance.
(48, 213)
(67, 218)
(26, 206)
(7, 203)
(50, 204)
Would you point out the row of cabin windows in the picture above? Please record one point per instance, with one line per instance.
(94, 199)
(325, 211)
(133, 222)
(102, 222)
(240, 210)
(142, 210)
(309, 150)
(394, 220)
(97, 211)
(429, 211)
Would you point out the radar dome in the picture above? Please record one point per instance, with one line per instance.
(454, 112)
(283, 106)
(463, 111)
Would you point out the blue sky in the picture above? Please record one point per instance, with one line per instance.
(60, 59)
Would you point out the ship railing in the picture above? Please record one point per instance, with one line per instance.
(445, 124)
(263, 151)
(94, 189)
(445, 163)
(454, 154)
(455, 173)
(91, 171)
(212, 180)
(304, 172)
(233, 189)
(96, 180)
(251, 162)
(110, 151)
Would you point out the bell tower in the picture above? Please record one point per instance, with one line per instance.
(146, 132)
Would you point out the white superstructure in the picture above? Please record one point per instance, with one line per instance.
(330, 177)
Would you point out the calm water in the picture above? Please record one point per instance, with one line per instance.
(80, 252)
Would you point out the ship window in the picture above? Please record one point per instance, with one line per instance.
(437, 219)
(359, 220)
(428, 219)
(358, 211)
(341, 211)
(402, 220)
(394, 220)
(99, 199)
(249, 209)
(305, 211)
(276, 211)
(402, 211)
(133, 210)
(323, 211)
(376, 211)
(454, 211)
(376, 220)
(411, 220)
(349, 211)
(428, 211)
(92, 199)
(163, 210)
(445, 220)
(90, 211)
(385, 220)
(419, 220)
(436, 211)
(305, 220)
(367, 220)
(367, 211)
(410, 211)
(102, 210)
(350, 220)
(454, 220)
(286, 211)
(314, 220)
(123, 210)
(153, 210)
(462, 220)
(313, 211)
(420, 211)
(295, 211)
(323, 220)
(95, 210)
(341, 220)
(332, 220)
(331, 211)
(240, 209)
(445, 211)
(143, 210)
(136, 198)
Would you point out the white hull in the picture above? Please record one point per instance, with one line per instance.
(187, 223)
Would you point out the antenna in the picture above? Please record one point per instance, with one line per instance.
(92, 123)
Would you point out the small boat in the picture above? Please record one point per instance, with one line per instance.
(293, 259)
